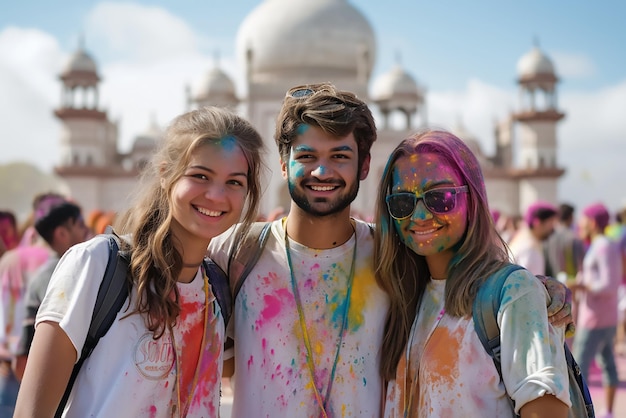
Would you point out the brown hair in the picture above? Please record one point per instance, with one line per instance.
(404, 275)
(155, 262)
(336, 112)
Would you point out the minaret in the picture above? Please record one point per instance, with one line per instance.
(538, 114)
(88, 139)
(537, 119)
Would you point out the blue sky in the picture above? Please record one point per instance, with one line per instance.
(463, 52)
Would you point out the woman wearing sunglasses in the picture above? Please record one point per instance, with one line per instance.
(435, 243)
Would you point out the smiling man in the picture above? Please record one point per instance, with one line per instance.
(309, 319)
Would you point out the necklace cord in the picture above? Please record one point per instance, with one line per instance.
(323, 403)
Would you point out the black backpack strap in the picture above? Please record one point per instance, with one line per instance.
(112, 293)
(220, 287)
(250, 251)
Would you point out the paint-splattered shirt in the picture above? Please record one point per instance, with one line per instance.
(129, 374)
(451, 375)
(272, 377)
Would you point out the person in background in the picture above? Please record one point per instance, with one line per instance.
(16, 268)
(9, 236)
(527, 244)
(596, 291)
(564, 250)
(617, 232)
(60, 223)
(203, 179)
(435, 244)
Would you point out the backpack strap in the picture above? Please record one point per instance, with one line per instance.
(112, 294)
(249, 252)
(220, 287)
(485, 311)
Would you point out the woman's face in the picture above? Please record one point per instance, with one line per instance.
(425, 231)
(210, 195)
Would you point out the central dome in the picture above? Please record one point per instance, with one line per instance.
(324, 38)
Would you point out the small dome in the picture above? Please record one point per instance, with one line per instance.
(80, 61)
(396, 83)
(534, 63)
(305, 38)
(216, 84)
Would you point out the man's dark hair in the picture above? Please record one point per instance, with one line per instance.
(57, 214)
(566, 212)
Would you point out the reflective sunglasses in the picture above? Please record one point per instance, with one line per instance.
(440, 200)
(300, 92)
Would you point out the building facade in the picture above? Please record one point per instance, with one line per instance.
(284, 43)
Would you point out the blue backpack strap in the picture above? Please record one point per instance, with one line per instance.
(485, 311)
(220, 287)
(112, 294)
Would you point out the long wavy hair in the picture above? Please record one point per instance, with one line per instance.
(404, 274)
(155, 262)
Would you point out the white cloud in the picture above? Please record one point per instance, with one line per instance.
(573, 65)
(30, 91)
(139, 33)
(477, 108)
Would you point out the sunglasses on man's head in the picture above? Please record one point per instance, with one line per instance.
(300, 92)
(439, 200)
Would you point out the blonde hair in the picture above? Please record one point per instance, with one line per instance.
(155, 262)
(404, 274)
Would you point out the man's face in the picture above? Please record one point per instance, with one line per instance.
(543, 229)
(77, 231)
(8, 234)
(322, 171)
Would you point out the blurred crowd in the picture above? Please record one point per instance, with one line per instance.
(586, 251)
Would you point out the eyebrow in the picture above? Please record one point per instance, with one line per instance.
(201, 167)
(306, 148)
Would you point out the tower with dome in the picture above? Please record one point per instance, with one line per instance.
(284, 43)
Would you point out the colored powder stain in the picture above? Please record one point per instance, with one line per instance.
(228, 143)
(264, 343)
(250, 362)
(364, 382)
(302, 128)
(443, 355)
(364, 281)
(152, 411)
(318, 348)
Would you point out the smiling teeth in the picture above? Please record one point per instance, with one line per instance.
(209, 212)
(322, 188)
(430, 231)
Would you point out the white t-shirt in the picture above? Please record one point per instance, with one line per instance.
(272, 377)
(528, 252)
(129, 374)
(451, 374)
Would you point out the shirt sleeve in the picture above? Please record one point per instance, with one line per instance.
(533, 358)
(71, 294)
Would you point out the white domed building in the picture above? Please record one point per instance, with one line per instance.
(284, 43)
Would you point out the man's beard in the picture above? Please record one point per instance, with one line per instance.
(331, 208)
